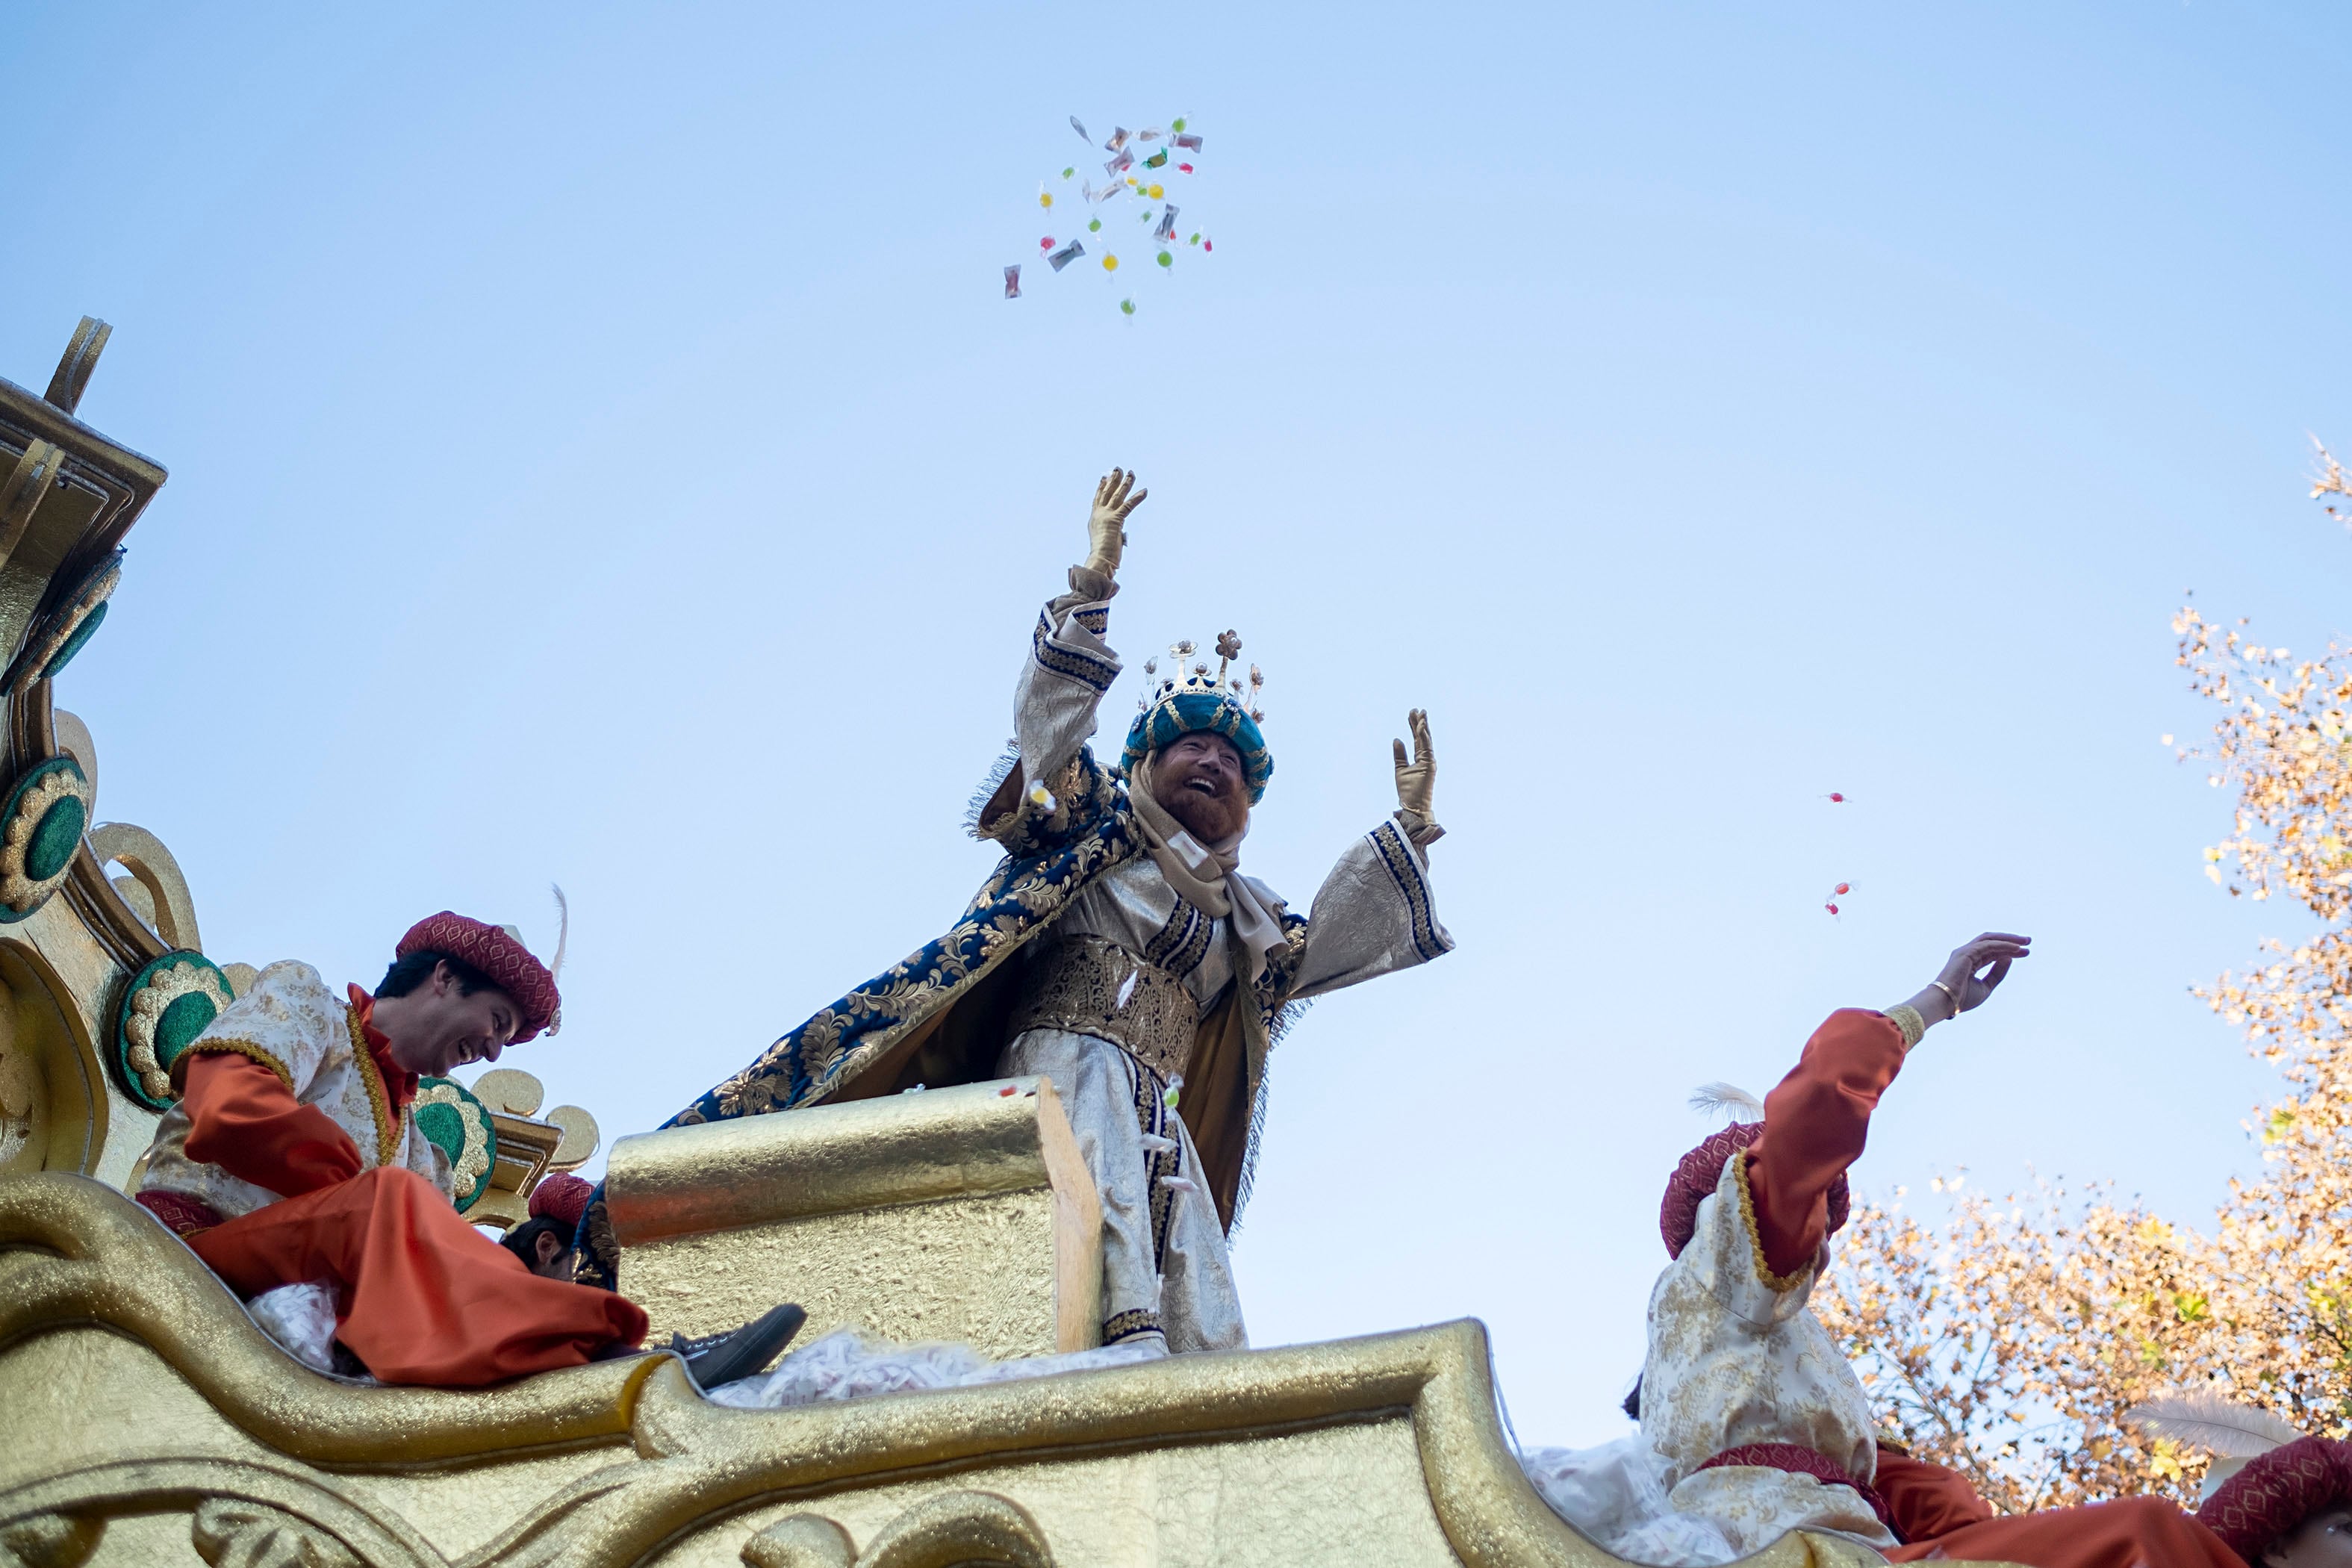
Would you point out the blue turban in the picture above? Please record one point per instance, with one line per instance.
(1170, 719)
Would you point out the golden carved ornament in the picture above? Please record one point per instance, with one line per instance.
(943, 1531)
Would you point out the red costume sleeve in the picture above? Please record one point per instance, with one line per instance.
(243, 1118)
(1926, 1501)
(1815, 1123)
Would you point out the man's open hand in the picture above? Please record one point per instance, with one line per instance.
(1416, 782)
(1106, 527)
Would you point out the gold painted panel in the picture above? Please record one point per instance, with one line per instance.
(978, 1270)
(1351, 1496)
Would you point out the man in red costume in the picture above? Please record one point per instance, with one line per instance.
(292, 1156)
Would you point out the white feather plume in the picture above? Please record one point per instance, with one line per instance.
(562, 929)
(2209, 1422)
(1724, 1099)
(562, 940)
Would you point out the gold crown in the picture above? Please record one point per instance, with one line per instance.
(1191, 677)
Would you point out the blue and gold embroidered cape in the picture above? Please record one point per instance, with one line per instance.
(938, 1016)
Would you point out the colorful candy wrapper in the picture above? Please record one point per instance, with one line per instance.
(1012, 282)
(1167, 259)
(1189, 143)
(1120, 165)
(1157, 159)
(1067, 255)
(1078, 126)
(1127, 307)
(1147, 136)
(1167, 230)
(1117, 139)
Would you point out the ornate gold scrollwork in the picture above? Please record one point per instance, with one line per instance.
(50, 1541)
(74, 367)
(230, 1532)
(950, 1530)
(167, 907)
(23, 489)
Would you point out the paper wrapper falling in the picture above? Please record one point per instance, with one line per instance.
(1012, 282)
(1156, 216)
(1067, 255)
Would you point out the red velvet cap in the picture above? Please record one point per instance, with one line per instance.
(1701, 1171)
(2277, 1491)
(561, 1197)
(497, 954)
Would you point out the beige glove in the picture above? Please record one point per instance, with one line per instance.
(1416, 781)
(1106, 527)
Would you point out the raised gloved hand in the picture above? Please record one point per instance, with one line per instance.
(1106, 527)
(1967, 978)
(1416, 781)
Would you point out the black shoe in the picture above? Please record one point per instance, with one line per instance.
(725, 1358)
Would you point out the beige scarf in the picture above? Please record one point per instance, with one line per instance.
(1208, 877)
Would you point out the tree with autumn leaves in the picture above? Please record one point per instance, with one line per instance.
(2007, 1339)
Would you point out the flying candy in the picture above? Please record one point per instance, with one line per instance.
(1837, 799)
(1840, 891)
(1124, 148)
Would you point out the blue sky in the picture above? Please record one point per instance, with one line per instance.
(600, 452)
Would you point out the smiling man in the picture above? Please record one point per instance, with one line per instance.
(291, 1157)
(1119, 951)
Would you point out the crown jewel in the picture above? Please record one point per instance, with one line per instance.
(1193, 679)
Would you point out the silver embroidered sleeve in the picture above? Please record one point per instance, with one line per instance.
(1373, 914)
(1062, 680)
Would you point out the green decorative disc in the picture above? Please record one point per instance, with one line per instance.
(168, 1004)
(40, 828)
(74, 641)
(459, 1126)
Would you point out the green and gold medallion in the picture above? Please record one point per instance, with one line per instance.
(459, 1125)
(40, 828)
(169, 1002)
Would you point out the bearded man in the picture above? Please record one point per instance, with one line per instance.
(1119, 951)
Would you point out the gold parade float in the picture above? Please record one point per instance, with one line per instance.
(149, 1420)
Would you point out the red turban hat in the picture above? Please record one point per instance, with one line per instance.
(561, 1197)
(501, 956)
(2277, 1491)
(1701, 1171)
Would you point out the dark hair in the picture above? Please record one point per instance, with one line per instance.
(413, 969)
(1632, 1405)
(523, 1239)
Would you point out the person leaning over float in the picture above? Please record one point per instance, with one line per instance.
(293, 1156)
(1753, 1425)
